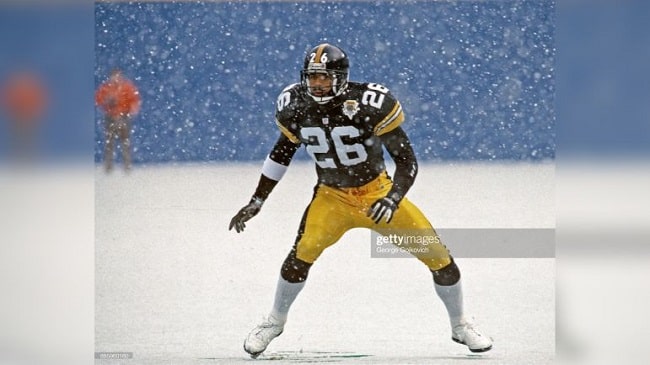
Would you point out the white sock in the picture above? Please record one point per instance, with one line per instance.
(452, 297)
(285, 294)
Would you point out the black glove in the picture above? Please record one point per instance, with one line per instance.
(249, 211)
(384, 207)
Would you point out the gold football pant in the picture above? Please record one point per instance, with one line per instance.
(334, 211)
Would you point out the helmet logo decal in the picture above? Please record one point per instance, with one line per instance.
(350, 108)
(319, 56)
(318, 61)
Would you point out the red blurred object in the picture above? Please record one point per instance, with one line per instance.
(118, 96)
(24, 99)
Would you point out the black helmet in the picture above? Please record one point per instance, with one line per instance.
(329, 59)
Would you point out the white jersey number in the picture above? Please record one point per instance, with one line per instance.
(348, 154)
(283, 100)
(374, 96)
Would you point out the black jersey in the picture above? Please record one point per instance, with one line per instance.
(342, 135)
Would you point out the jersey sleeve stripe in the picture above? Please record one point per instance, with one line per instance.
(292, 137)
(392, 120)
(273, 170)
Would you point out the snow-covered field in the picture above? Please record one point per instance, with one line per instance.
(174, 286)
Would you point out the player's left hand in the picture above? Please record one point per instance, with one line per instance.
(382, 208)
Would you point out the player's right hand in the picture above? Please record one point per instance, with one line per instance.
(382, 208)
(247, 212)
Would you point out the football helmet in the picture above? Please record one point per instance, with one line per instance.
(326, 59)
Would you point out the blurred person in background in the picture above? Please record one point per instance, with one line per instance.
(23, 98)
(119, 98)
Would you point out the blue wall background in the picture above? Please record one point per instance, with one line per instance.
(55, 42)
(476, 78)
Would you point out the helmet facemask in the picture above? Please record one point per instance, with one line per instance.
(339, 84)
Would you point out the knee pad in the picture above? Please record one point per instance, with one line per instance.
(448, 275)
(293, 269)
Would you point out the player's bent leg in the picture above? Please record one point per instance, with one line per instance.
(293, 274)
(292, 279)
(416, 234)
(318, 230)
(448, 287)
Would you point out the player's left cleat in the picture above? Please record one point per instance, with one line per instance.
(260, 337)
(466, 334)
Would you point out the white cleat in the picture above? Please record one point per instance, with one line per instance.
(261, 336)
(466, 334)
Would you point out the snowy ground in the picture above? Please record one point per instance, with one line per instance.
(174, 286)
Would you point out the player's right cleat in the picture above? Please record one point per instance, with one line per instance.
(466, 334)
(260, 337)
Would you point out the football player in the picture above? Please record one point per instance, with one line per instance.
(344, 126)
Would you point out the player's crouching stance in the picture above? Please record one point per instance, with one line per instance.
(344, 126)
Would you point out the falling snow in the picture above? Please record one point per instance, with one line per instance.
(475, 78)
